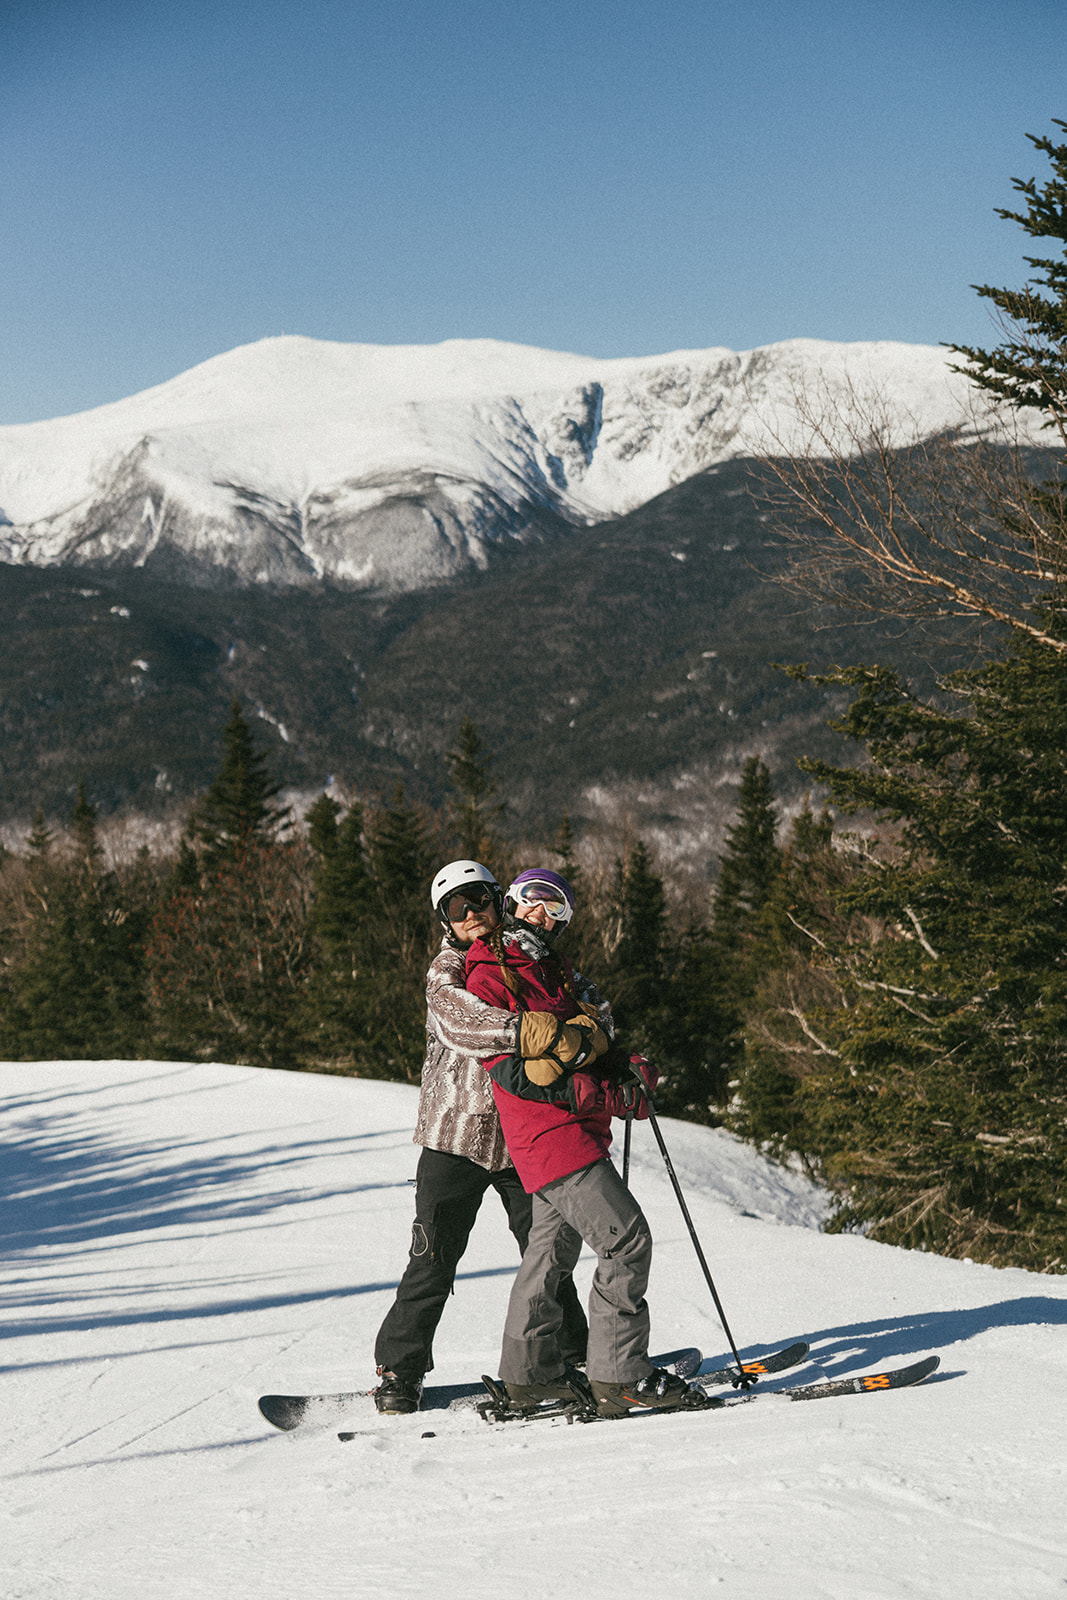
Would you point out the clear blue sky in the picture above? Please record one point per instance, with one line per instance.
(181, 177)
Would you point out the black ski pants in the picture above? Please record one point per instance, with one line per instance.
(449, 1190)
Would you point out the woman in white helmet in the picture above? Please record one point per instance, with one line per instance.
(463, 1152)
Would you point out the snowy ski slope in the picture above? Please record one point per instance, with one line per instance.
(181, 1238)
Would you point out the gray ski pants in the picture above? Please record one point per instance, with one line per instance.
(595, 1205)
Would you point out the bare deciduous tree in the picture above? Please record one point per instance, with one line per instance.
(950, 526)
(957, 525)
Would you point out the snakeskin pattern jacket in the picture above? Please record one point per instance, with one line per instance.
(457, 1112)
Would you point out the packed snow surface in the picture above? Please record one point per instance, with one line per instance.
(394, 467)
(181, 1239)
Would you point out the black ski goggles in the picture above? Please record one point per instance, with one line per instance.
(477, 898)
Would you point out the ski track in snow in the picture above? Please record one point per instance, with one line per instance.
(180, 1239)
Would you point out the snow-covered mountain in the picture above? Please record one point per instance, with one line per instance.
(393, 468)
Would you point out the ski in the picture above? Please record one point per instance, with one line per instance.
(290, 1411)
(494, 1409)
(779, 1361)
(686, 1362)
(868, 1383)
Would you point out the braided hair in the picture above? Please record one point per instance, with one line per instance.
(550, 960)
(495, 942)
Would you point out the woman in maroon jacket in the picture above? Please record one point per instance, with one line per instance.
(556, 1121)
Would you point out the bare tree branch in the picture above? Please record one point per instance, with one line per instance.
(883, 521)
(927, 946)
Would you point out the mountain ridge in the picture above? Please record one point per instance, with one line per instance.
(390, 469)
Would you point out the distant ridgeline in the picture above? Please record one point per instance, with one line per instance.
(621, 674)
(390, 469)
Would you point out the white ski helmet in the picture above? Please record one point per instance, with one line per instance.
(460, 875)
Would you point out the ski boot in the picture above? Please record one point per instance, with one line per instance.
(657, 1391)
(567, 1396)
(395, 1396)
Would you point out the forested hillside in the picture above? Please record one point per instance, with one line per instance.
(642, 650)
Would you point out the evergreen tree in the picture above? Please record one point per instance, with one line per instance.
(228, 956)
(583, 941)
(664, 983)
(565, 847)
(749, 868)
(83, 829)
(637, 972)
(401, 940)
(39, 841)
(344, 888)
(341, 995)
(186, 870)
(228, 948)
(238, 808)
(792, 986)
(401, 862)
(475, 812)
(638, 963)
(715, 970)
(322, 825)
(696, 1030)
(1026, 370)
(935, 1096)
(729, 961)
(932, 1078)
(76, 988)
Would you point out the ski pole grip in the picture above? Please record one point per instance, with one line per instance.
(633, 1086)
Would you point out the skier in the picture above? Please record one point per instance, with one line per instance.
(464, 1152)
(555, 1112)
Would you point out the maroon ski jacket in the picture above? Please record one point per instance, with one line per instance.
(545, 1139)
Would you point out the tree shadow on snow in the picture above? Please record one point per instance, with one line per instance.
(64, 1185)
(74, 1196)
(142, 1311)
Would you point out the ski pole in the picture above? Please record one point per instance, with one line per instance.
(744, 1380)
(626, 1147)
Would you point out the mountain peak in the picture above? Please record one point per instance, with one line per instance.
(396, 467)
